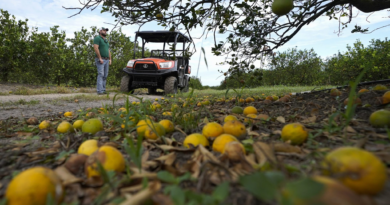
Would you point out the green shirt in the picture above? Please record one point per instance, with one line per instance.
(103, 46)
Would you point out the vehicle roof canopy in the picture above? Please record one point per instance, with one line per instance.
(162, 36)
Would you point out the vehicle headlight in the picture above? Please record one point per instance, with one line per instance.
(130, 64)
(166, 64)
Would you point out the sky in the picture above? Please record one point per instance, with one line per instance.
(319, 35)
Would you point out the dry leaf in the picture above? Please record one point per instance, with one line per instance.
(140, 197)
(288, 148)
(264, 153)
(281, 119)
(66, 177)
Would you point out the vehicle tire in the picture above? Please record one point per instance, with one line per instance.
(125, 85)
(186, 87)
(170, 85)
(152, 91)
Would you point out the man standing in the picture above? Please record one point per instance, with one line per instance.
(102, 60)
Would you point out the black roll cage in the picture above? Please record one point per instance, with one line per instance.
(160, 37)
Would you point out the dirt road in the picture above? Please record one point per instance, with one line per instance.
(25, 106)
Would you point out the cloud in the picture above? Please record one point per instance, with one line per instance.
(319, 35)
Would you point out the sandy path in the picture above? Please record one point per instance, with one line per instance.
(52, 104)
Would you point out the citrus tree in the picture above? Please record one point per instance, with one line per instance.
(294, 67)
(254, 28)
(344, 67)
(13, 46)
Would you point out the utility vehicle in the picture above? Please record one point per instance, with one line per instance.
(167, 68)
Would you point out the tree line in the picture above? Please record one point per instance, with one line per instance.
(306, 67)
(33, 57)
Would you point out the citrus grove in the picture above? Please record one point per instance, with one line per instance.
(187, 148)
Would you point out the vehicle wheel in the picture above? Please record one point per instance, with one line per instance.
(170, 85)
(125, 85)
(152, 91)
(186, 87)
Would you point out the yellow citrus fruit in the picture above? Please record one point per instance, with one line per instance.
(90, 114)
(363, 90)
(237, 110)
(109, 157)
(168, 125)
(65, 127)
(44, 125)
(167, 113)
(122, 109)
(380, 87)
(142, 125)
(195, 140)
(88, 147)
(92, 126)
(335, 92)
(174, 107)
(357, 101)
(159, 17)
(154, 131)
(68, 114)
(386, 97)
(32, 186)
(235, 128)
(221, 141)
(380, 118)
(212, 130)
(275, 98)
(134, 103)
(282, 7)
(356, 168)
(249, 120)
(263, 117)
(295, 133)
(78, 124)
(249, 100)
(269, 98)
(206, 102)
(230, 118)
(250, 110)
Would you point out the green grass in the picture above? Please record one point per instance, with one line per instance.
(83, 97)
(19, 102)
(259, 91)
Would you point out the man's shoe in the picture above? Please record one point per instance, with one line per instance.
(104, 92)
(100, 93)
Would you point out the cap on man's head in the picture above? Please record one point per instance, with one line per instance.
(103, 28)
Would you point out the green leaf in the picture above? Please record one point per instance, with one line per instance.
(304, 189)
(205, 60)
(167, 177)
(221, 192)
(259, 185)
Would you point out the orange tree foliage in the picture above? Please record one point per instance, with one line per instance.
(29, 56)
